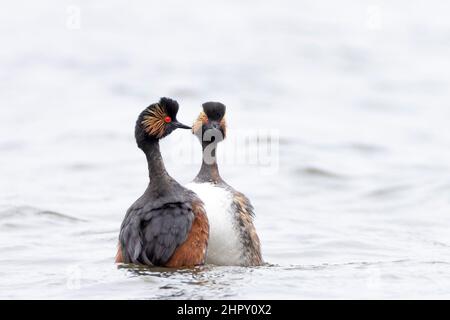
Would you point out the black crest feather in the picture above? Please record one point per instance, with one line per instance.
(170, 105)
(214, 110)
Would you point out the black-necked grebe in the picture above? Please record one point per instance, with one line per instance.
(167, 226)
(233, 238)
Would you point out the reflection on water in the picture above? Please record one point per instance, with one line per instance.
(357, 208)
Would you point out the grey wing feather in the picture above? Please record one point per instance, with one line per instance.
(245, 211)
(151, 236)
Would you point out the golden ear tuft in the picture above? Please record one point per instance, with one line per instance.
(223, 126)
(153, 121)
(201, 120)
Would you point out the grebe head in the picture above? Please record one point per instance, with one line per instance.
(211, 123)
(157, 121)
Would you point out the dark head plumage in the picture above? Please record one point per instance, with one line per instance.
(157, 121)
(214, 110)
(211, 119)
(171, 106)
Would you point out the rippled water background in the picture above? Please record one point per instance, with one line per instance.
(358, 92)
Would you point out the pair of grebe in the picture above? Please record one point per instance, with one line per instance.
(205, 222)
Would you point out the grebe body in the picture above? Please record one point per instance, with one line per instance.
(167, 226)
(233, 238)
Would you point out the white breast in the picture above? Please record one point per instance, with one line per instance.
(224, 246)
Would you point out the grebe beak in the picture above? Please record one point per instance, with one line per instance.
(179, 125)
(215, 125)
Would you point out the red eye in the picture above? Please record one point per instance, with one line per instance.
(167, 119)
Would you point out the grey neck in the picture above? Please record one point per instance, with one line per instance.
(209, 172)
(159, 178)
